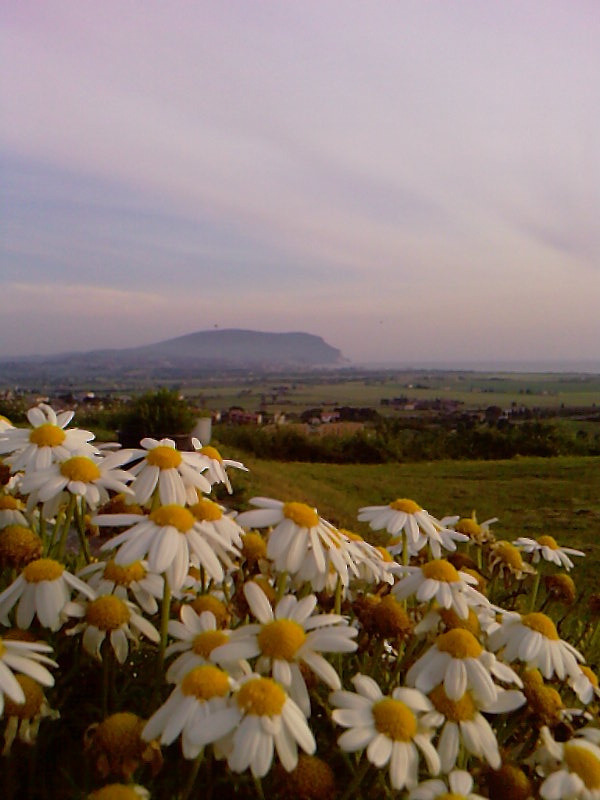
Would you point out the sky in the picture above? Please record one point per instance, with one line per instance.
(412, 181)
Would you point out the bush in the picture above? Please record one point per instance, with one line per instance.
(157, 414)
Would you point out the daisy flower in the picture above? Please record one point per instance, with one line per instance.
(5, 424)
(46, 441)
(288, 637)
(297, 528)
(463, 723)
(198, 636)
(506, 558)
(547, 548)
(213, 519)
(23, 719)
(11, 511)
(18, 546)
(267, 720)
(120, 791)
(177, 474)
(117, 747)
(107, 577)
(82, 475)
(419, 527)
(439, 580)
(576, 773)
(197, 710)
(170, 537)
(533, 638)
(110, 616)
(27, 658)
(478, 532)
(458, 660)
(42, 589)
(216, 464)
(390, 727)
(459, 787)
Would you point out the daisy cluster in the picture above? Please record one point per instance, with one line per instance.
(177, 644)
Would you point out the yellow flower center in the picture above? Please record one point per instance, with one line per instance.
(19, 545)
(394, 719)
(8, 503)
(115, 791)
(2, 648)
(205, 682)
(107, 613)
(43, 569)
(542, 624)
(304, 516)
(207, 510)
(459, 643)
(47, 435)
(590, 675)
(403, 504)
(120, 734)
(164, 457)
(5, 419)
(390, 619)
(80, 468)
(205, 642)
(450, 796)
(460, 710)
(385, 554)
(124, 575)
(311, 779)
(440, 570)
(254, 546)
(206, 602)
(262, 697)
(34, 697)
(451, 620)
(211, 452)
(548, 541)
(468, 526)
(585, 763)
(174, 515)
(509, 554)
(281, 639)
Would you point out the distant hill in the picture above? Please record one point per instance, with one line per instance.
(203, 351)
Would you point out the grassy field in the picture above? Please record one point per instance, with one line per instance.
(531, 496)
(475, 390)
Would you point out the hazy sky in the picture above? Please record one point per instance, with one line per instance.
(410, 180)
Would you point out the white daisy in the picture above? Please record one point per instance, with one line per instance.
(5, 424)
(297, 528)
(197, 709)
(533, 638)
(110, 616)
(216, 464)
(390, 727)
(42, 589)
(419, 527)
(82, 475)
(177, 474)
(288, 637)
(170, 537)
(458, 660)
(27, 658)
(575, 771)
(439, 580)
(212, 518)
(463, 723)
(547, 548)
(11, 511)
(107, 577)
(459, 787)
(198, 636)
(267, 720)
(46, 441)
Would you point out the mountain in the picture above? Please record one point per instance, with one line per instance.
(200, 352)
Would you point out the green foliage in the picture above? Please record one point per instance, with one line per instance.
(157, 414)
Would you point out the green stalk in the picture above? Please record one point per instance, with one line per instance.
(536, 586)
(62, 544)
(281, 581)
(80, 523)
(338, 596)
(164, 623)
(192, 775)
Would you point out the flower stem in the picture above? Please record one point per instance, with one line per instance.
(164, 623)
(62, 544)
(536, 586)
(80, 523)
(193, 774)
